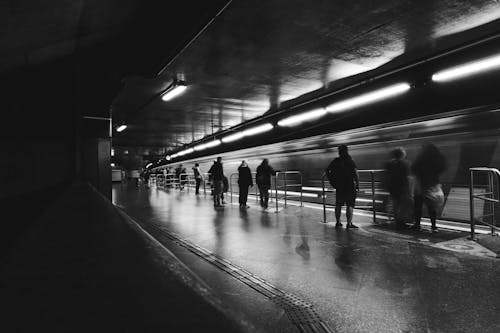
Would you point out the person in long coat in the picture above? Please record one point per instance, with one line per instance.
(244, 182)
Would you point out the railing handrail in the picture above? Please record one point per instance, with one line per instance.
(494, 201)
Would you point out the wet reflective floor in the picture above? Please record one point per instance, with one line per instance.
(373, 279)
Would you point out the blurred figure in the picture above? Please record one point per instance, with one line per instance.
(217, 174)
(427, 167)
(263, 180)
(145, 177)
(343, 176)
(244, 182)
(398, 185)
(198, 177)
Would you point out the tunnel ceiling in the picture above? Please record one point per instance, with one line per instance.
(252, 58)
(258, 54)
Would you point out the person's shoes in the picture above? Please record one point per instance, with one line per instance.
(351, 226)
(338, 225)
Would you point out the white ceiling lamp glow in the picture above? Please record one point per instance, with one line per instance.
(302, 117)
(467, 69)
(121, 128)
(207, 145)
(184, 152)
(374, 96)
(248, 132)
(175, 90)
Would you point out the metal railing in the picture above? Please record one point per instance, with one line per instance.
(364, 187)
(491, 197)
(296, 183)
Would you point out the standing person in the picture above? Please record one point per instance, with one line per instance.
(343, 176)
(263, 180)
(398, 185)
(178, 172)
(145, 176)
(427, 167)
(244, 182)
(198, 177)
(217, 174)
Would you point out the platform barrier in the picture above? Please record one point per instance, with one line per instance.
(368, 183)
(490, 197)
(289, 184)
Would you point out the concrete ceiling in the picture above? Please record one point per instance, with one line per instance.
(258, 54)
(255, 57)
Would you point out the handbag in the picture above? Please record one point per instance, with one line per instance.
(434, 196)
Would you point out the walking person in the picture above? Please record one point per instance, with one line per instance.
(198, 177)
(263, 180)
(244, 182)
(427, 167)
(217, 174)
(343, 176)
(398, 185)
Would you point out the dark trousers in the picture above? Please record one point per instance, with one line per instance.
(243, 194)
(417, 210)
(198, 183)
(264, 195)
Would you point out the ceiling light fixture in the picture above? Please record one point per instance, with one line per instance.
(175, 89)
(184, 152)
(467, 69)
(121, 128)
(302, 117)
(207, 145)
(248, 132)
(374, 96)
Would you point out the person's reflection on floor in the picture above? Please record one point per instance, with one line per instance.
(303, 248)
(265, 220)
(346, 257)
(245, 222)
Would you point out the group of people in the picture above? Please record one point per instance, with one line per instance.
(245, 181)
(410, 186)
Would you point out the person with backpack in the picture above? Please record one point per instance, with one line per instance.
(263, 180)
(217, 174)
(198, 177)
(343, 176)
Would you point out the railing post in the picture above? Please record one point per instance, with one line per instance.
(231, 187)
(301, 205)
(324, 198)
(373, 196)
(284, 183)
(276, 190)
(471, 202)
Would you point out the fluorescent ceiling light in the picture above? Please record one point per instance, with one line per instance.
(148, 165)
(168, 157)
(207, 145)
(248, 132)
(184, 152)
(233, 137)
(300, 118)
(174, 155)
(175, 91)
(467, 69)
(370, 97)
(121, 128)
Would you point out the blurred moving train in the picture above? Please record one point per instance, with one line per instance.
(467, 138)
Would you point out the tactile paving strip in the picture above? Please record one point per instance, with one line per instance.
(300, 313)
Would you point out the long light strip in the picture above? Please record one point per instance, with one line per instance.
(248, 132)
(121, 128)
(374, 96)
(177, 90)
(207, 145)
(300, 118)
(184, 152)
(467, 69)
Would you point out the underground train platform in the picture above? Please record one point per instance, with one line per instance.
(286, 271)
(99, 98)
